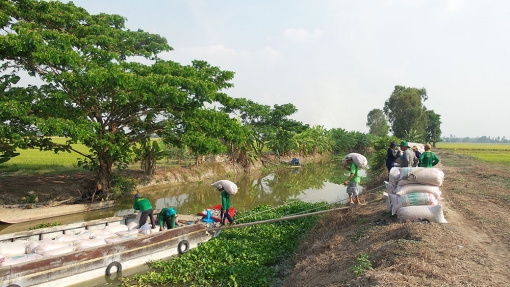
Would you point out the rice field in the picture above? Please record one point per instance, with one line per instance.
(489, 152)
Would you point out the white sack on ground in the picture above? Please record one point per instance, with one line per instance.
(394, 175)
(358, 159)
(434, 213)
(388, 202)
(120, 238)
(33, 245)
(126, 233)
(419, 198)
(103, 236)
(410, 175)
(390, 188)
(19, 259)
(414, 188)
(9, 249)
(228, 186)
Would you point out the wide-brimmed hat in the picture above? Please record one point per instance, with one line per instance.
(137, 195)
(404, 143)
(415, 147)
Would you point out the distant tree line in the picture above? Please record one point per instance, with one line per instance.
(482, 139)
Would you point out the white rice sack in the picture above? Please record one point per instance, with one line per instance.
(103, 236)
(132, 225)
(47, 246)
(9, 249)
(84, 235)
(417, 198)
(33, 244)
(420, 146)
(120, 238)
(434, 213)
(88, 243)
(388, 202)
(126, 233)
(394, 175)
(116, 228)
(390, 188)
(358, 159)
(98, 231)
(228, 186)
(413, 188)
(15, 248)
(19, 259)
(58, 251)
(67, 238)
(431, 176)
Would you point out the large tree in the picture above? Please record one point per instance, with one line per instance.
(95, 88)
(405, 111)
(377, 123)
(433, 128)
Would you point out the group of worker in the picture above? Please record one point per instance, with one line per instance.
(410, 157)
(169, 216)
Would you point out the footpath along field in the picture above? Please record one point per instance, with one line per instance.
(350, 249)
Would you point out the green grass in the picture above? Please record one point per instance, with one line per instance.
(488, 152)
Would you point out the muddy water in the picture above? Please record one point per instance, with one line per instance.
(313, 183)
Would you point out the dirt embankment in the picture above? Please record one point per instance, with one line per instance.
(473, 249)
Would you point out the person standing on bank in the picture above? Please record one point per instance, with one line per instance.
(225, 206)
(428, 158)
(407, 155)
(352, 182)
(169, 216)
(391, 156)
(145, 207)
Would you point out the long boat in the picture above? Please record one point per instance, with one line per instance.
(108, 259)
(29, 212)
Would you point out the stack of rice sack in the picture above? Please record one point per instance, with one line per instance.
(413, 193)
(23, 251)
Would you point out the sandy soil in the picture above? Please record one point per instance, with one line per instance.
(473, 249)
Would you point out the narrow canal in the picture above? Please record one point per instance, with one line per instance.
(315, 182)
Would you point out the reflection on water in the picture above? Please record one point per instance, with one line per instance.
(313, 183)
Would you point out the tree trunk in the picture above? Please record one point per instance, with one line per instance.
(104, 174)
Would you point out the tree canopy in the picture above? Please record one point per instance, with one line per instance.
(377, 123)
(94, 91)
(405, 111)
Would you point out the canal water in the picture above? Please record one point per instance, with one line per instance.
(316, 182)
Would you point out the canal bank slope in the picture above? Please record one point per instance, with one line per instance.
(473, 249)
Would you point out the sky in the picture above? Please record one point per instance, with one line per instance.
(337, 60)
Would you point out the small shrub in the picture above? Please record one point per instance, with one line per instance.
(363, 265)
(123, 185)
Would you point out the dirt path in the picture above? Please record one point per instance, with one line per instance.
(473, 249)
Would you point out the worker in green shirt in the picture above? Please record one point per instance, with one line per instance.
(225, 206)
(428, 158)
(167, 215)
(352, 182)
(145, 207)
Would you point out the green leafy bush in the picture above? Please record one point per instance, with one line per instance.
(363, 265)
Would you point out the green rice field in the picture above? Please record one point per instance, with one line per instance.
(489, 152)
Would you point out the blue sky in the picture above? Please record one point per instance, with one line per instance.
(337, 60)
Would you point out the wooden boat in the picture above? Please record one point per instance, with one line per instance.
(28, 212)
(80, 266)
(231, 211)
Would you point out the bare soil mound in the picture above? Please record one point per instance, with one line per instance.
(471, 250)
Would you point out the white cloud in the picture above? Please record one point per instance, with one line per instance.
(453, 5)
(302, 35)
